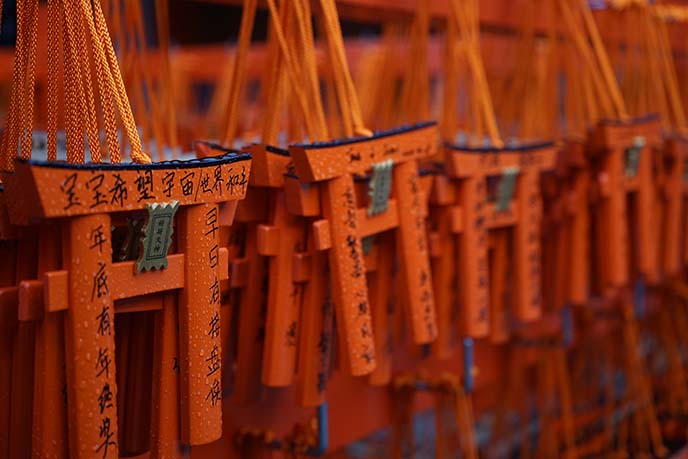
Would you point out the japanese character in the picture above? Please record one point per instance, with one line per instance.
(236, 180)
(119, 191)
(144, 185)
(211, 221)
(103, 362)
(217, 176)
(215, 393)
(214, 256)
(213, 361)
(214, 325)
(100, 279)
(106, 435)
(67, 188)
(104, 321)
(97, 238)
(168, 181)
(105, 398)
(95, 184)
(205, 183)
(214, 291)
(187, 183)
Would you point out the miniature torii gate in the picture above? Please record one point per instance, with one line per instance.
(278, 236)
(625, 167)
(275, 216)
(333, 164)
(85, 200)
(461, 203)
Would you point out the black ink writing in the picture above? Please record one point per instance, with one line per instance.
(103, 362)
(95, 184)
(97, 238)
(144, 185)
(67, 188)
(215, 393)
(100, 282)
(214, 324)
(168, 181)
(118, 192)
(105, 398)
(186, 183)
(106, 435)
(213, 361)
(211, 222)
(104, 321)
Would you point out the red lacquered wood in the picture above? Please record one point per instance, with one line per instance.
(90, 355)
(199, 318)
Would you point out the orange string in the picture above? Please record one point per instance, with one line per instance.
(68, 24)
(89, 104)
(464, 14)
(137, 154)
(274, 96)
(310, 78)
(671, 80)
(448, 121)
(338, 86)
(416, 91)
(105, 86)
(340, 66)
(74, 91)
(292, 71)
(29, 85)
(10, 135)
(239, 70)
(54, 42)
(155, 117)
(603, 60)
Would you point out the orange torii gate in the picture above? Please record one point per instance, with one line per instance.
(332, 165)
(462, 217)
(623, 167)
(193, 199)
